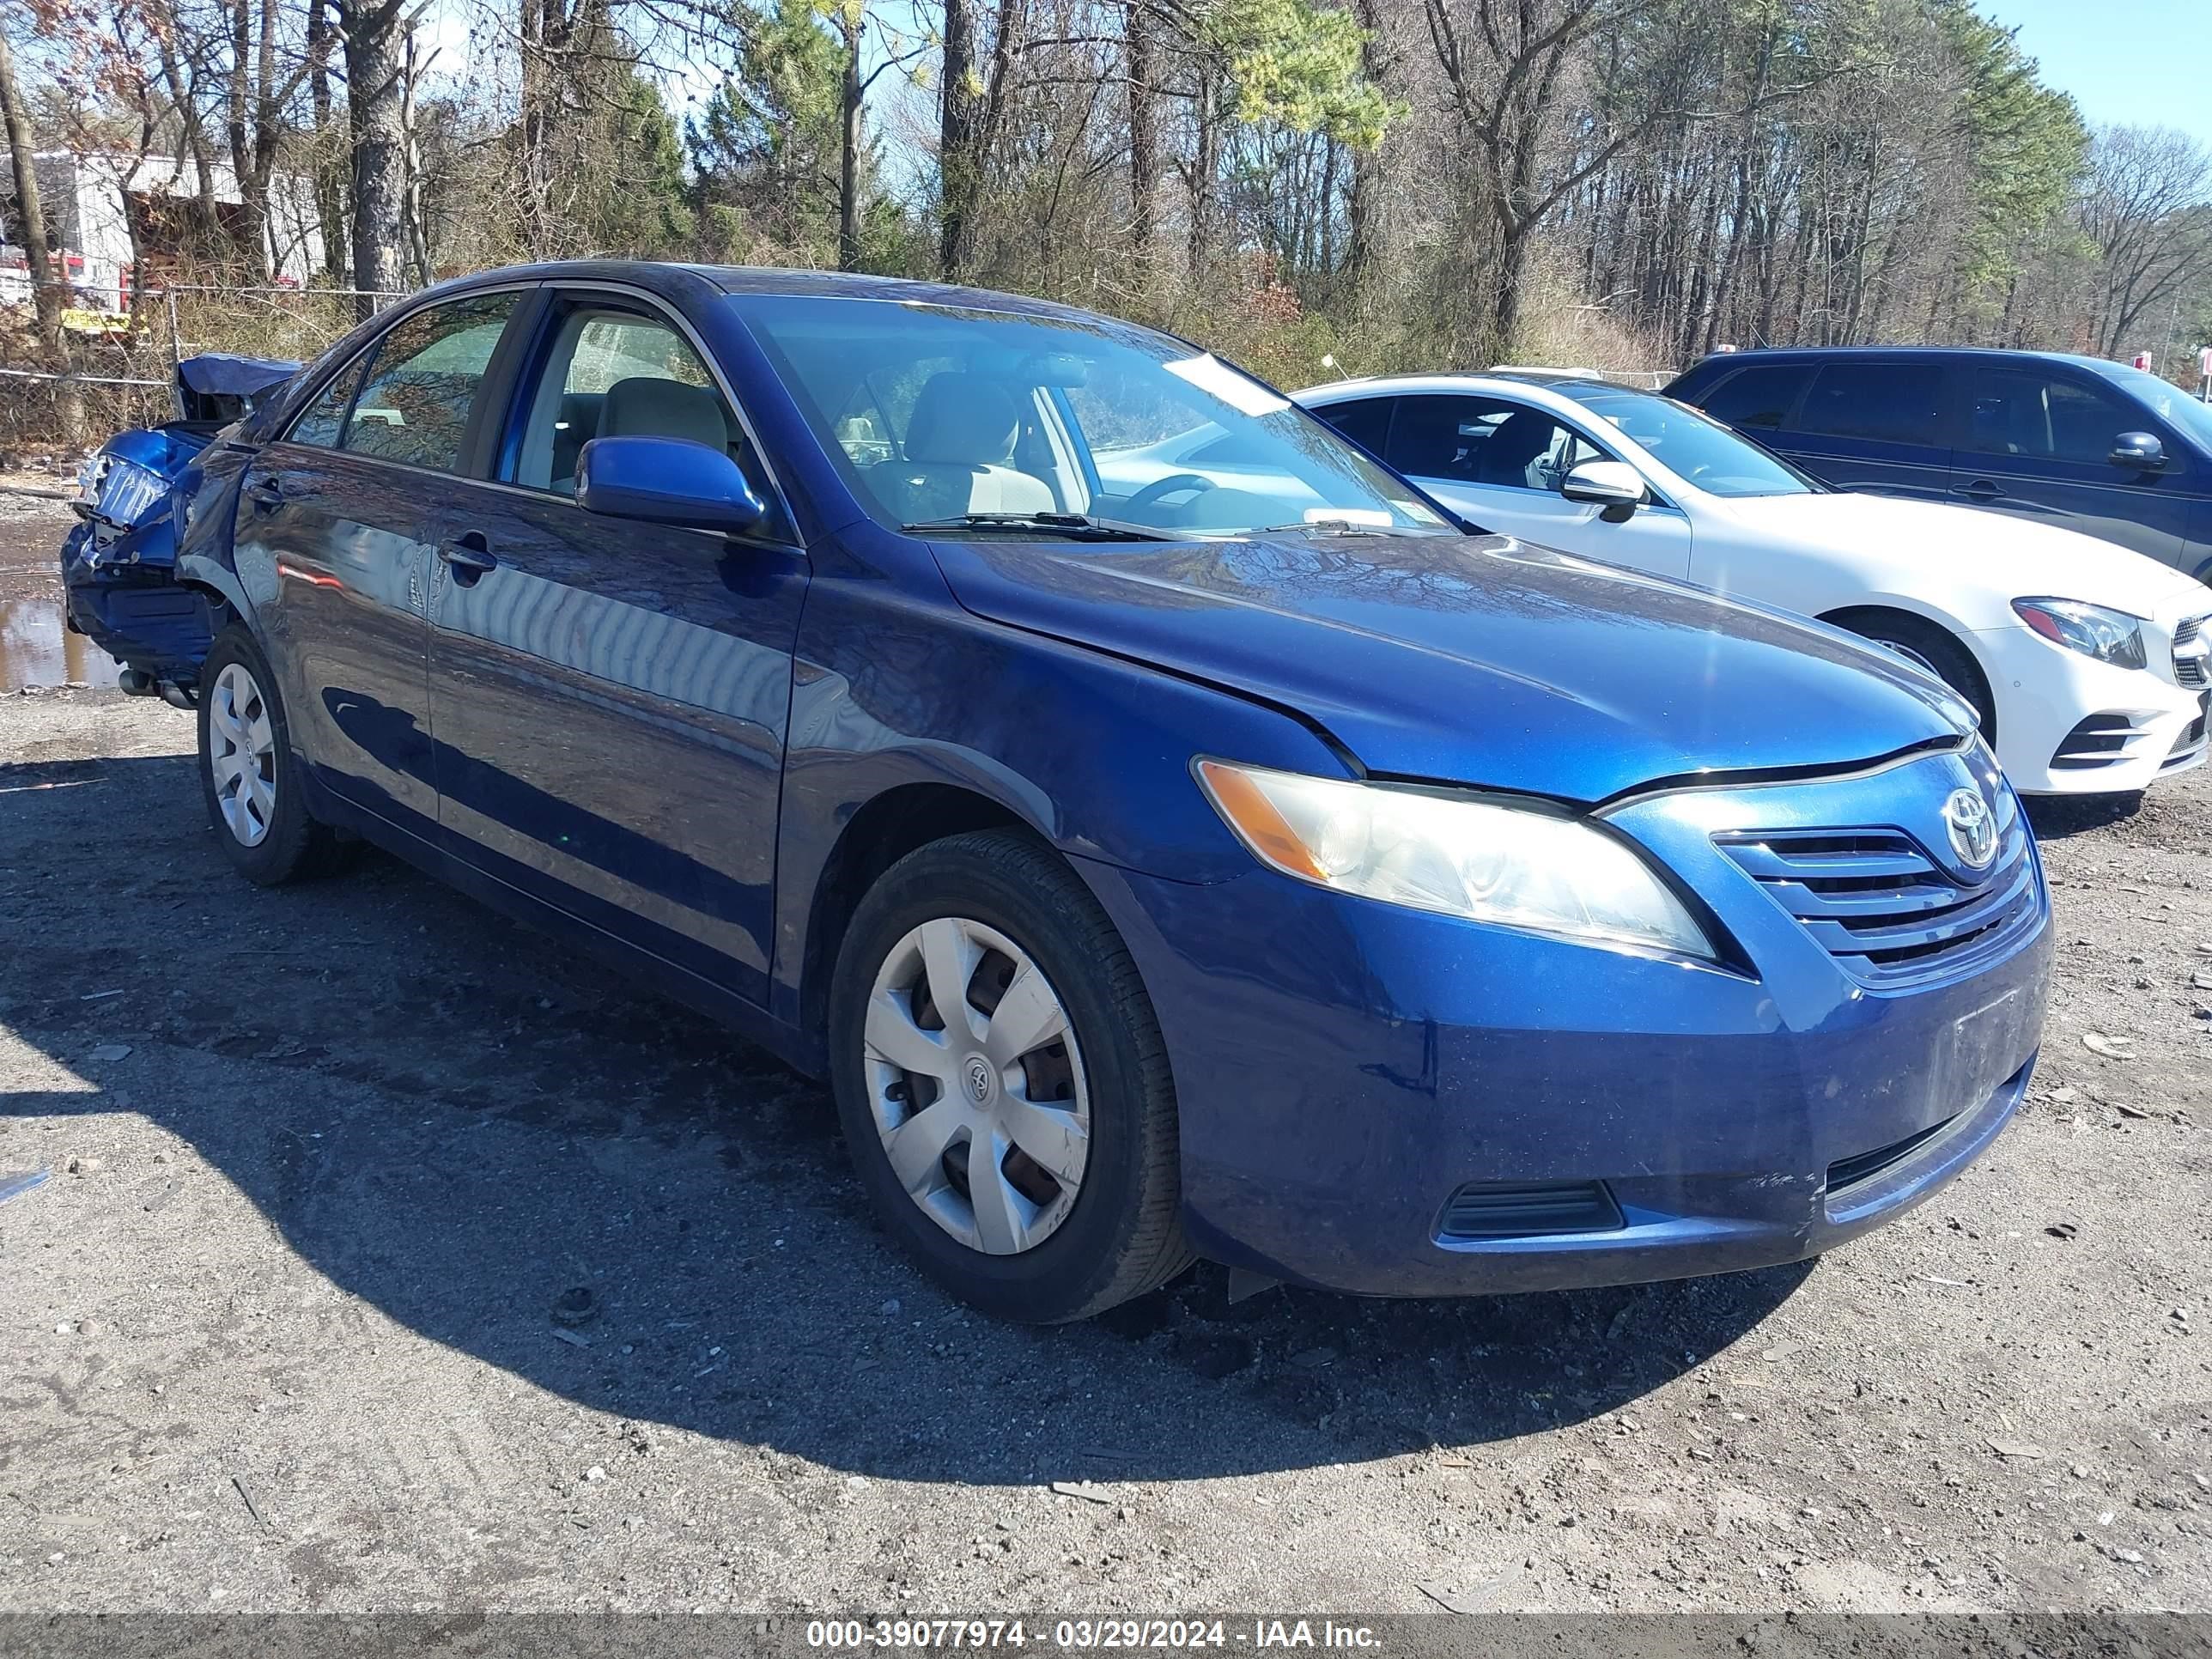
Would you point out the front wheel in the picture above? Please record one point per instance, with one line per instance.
(1928, 647)
(248, 773)
(1002, 1084)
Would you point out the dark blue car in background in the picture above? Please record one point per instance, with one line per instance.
(1251, 865)
(2080, 442)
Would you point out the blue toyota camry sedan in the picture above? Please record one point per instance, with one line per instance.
(1230, 856)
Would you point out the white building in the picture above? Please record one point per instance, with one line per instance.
(84, 194)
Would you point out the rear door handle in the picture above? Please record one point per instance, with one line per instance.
(266, 494)
(470, 554)
(1982, 489)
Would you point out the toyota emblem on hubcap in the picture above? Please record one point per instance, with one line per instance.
(1974, 827)
(979, 1078)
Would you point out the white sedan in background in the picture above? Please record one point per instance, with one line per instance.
(2087, 660)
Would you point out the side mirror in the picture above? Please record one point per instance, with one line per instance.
(2138, 451)
(670, 481)
(1605, 484)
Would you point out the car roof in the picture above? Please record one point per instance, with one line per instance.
(1564, 384)
(1821, 354)
(748, 280)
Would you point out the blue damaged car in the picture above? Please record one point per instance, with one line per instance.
(1240, 858)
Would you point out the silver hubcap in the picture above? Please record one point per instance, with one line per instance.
(242, 754)
(976, 1085)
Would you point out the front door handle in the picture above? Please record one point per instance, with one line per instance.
(266, 494)
(1982, 489)
(470, 554)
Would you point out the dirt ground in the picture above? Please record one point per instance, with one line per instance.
(278, 1327)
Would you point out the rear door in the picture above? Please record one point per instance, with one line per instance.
(2037, 441)
(610, 697)
(1500, 463)
(1876, 424)
(337, 524)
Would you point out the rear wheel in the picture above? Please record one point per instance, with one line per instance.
(248, 773)
(1002, 1084)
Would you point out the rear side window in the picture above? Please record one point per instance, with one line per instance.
(1758, 398)
(2019, 412)
(1876, 403)
(1366, 421)
(414, 406)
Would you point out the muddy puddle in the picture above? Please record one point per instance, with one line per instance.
(38, 648)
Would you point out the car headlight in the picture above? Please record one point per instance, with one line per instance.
(2111, 636)
(1516, 866)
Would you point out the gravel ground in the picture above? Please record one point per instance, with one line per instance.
(279, 1328)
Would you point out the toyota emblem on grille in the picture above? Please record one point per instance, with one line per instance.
(1974, 827)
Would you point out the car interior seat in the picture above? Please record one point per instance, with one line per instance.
(1506, 455)
(959, 439)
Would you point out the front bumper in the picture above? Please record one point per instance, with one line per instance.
(2068, 725)
(1345, 1067)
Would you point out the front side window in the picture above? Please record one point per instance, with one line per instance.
(1758, 396)
(1694, 447)
(322, 421)
(2165, 400)
(1485, 440)
(414, 406)
(1876, 403)
(939, 417)
(2019, 412)
(614, 373)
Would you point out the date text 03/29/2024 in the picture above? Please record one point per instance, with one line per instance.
(1148, 1634)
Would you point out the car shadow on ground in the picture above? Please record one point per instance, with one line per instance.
(453, 1121)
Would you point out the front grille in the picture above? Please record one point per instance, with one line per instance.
(1848, 1172)
(2191, 740)
(1885, 909)
(1500, 1209)
(2188, 664)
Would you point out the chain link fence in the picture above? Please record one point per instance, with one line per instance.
(120, 366)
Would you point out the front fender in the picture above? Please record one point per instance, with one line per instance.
(1091, 751)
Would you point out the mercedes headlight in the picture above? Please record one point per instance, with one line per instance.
(1516, 866)
(2111, 636)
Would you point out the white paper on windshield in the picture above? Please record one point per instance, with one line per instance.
(1373, 517)
(1210, 374)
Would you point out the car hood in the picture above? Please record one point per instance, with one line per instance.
(2011, 557)
(1479, 660)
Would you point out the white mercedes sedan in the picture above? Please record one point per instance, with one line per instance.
(2087, 661)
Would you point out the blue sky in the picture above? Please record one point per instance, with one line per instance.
(2145, 61)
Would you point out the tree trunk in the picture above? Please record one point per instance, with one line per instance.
(373, 66)
(849, 137)
(960, 126)
(1205, 163)
(1144, 137)
(49, 292)
(330, 178)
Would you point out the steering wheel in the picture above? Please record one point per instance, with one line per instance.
(1160, 489)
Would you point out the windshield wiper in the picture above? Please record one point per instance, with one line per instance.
(1078, 526)
(1344, 527)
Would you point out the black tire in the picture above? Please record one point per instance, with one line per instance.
(1935, 650)
(292, 846)
(1122, 1234)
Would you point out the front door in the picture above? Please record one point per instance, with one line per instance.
(2040, 444)
(339, 519)
(1501, 464)
(610, 697)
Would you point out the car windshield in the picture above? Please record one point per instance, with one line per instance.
(961, 421)
(2166, 400)
(1696, 448)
